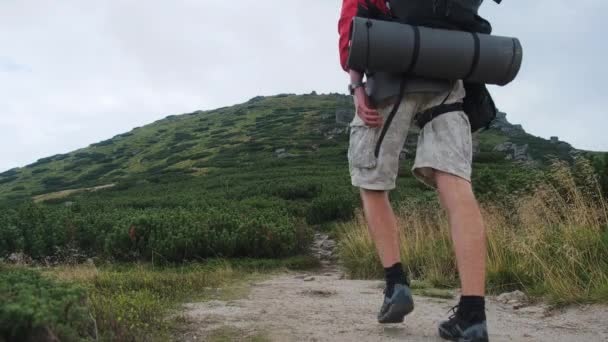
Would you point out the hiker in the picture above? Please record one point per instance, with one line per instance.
(443, 161)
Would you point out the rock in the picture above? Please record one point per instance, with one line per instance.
(506, 146)
(476, 145)
(512, 297)
(514, 152)
(325, 253)
(320, 239)
(309, 278)
(19, 258)
(328, 244)
(533, 310)
(520, 153)
(501, 123)
(405, 152)
(332, 133)
(282, 153)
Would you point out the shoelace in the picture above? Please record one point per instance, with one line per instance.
(454, 313)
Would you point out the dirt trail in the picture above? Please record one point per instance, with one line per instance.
(323, 307)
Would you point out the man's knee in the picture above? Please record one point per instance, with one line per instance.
(373, 194)
(447, 181)
(453, 190)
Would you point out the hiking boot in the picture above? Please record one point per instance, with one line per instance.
(395, 308)
(458, 328)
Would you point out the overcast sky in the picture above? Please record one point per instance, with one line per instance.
(75, 72)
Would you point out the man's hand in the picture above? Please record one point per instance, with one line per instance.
(370, 116)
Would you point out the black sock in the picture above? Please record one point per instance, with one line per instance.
(472, 308)
(394, 275)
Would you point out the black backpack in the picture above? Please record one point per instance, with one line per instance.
(452, 15)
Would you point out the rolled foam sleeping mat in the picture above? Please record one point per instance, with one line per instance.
(433, 53)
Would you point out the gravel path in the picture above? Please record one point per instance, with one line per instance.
(324, 307)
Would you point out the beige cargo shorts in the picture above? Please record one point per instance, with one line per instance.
(445, 144)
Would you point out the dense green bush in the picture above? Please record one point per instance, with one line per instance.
(297, 190)
(489, 157)
(176, 234)
(34, 308)
(339, 206)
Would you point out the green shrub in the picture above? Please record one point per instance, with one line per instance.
(489, 157)
(35, 308)
(331, 207)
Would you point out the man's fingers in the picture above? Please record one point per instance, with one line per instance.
(372, 120)
(372, 117)
(368, 110)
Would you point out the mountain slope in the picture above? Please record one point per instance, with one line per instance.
(291, 129)
(192, 143)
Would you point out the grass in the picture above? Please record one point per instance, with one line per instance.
(552, 242)
(229, 334)
(132, 302)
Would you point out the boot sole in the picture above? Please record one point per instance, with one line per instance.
(397, 312)
(446, 336)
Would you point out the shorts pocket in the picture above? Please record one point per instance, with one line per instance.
(362, 145)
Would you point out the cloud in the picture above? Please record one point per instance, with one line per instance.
(76, 72)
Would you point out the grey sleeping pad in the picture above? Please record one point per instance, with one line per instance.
(433, 53)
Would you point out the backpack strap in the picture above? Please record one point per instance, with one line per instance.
(391, 116)
(424, 117)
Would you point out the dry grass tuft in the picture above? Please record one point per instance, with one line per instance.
(552, 242)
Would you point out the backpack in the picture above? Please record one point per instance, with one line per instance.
(445, 14)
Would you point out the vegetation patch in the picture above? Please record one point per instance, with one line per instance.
(551, 242)
(119, 302)
(35, 308)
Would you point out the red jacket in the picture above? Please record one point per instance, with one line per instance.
(349, 10)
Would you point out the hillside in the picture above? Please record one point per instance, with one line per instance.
(265, 185)
(263, 132)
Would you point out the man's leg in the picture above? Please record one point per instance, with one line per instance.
(468, 232)
(375, 174)
(444, 160)
(382, 225)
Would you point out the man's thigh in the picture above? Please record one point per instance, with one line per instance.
(379, 173)
(445, 144)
